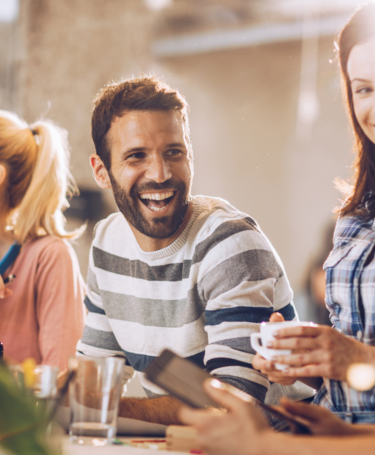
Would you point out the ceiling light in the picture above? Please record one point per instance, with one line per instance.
(157, 5)
(8, 10)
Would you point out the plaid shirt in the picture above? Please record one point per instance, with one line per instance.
(350, 298)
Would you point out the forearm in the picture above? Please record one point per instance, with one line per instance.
(362, 429)
(282, 444)
(161, 410)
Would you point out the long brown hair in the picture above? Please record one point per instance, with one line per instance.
(360, 28)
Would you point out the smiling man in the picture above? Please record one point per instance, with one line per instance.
(150, 173)
(192, 274)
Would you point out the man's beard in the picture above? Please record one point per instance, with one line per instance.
(161, 227)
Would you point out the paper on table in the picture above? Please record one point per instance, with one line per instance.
(124, 426)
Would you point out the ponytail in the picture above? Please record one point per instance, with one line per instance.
(42, 169)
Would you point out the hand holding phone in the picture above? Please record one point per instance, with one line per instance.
(184, 380)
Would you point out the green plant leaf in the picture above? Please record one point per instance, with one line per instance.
(22, 428)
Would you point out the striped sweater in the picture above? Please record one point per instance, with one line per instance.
(202, 296)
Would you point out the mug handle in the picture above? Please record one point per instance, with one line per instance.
(255, 337)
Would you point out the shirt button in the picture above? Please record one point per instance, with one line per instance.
(359, 335)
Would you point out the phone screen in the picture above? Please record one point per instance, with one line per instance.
(181, 378)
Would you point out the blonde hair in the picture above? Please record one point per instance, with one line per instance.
(36, 159)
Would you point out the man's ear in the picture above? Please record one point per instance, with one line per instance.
(3, 174)
(100, 172)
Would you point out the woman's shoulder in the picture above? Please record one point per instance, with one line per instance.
(48, 246)
(41, 243)
(350, 228)
(353, 235)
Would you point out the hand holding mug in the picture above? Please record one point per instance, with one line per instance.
(264, 359)
(319, 350)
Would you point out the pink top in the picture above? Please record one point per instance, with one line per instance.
(44, 317)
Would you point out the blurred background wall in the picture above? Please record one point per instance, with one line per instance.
(268, 126)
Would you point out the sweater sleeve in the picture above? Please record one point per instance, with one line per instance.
(242, 282)
(59, 291)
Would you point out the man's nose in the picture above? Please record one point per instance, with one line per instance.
(158, 169)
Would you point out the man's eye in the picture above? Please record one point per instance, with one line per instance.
(174, 152)
(137, 156)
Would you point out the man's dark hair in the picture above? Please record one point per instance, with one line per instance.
(145, 93)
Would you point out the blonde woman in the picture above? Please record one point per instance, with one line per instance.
(41, 311)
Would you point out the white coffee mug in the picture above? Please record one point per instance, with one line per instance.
(266, 335)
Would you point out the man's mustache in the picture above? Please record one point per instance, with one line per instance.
(169, 184)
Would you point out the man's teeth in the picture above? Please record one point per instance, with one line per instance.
(157, 196)
(157, 209)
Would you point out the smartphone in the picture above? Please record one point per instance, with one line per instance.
(181, 378)
(184, 380)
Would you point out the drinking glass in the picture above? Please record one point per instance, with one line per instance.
(94, 396)
(39, 389)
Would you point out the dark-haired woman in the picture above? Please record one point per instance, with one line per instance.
(350, 268)
(350, 296)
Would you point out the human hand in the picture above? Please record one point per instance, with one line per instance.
(4, 291)
(319, 420)
(318, 351)
(268, 367)
(240, 430)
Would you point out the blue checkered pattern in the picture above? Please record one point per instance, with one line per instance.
(350, 298)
